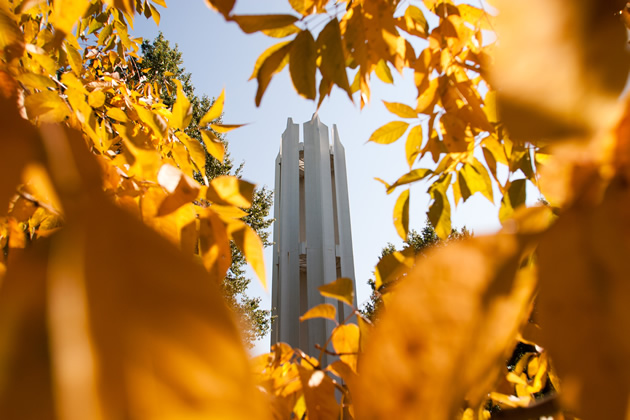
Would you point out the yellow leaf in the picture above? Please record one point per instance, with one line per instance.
(439, 316)
(391, 268)
(117, 114)
(153, 121)
(304, 7)
(413, 146)
(476, 16)
(389, 133)
(155, 14)
(224, 128)
(251, 246)
(222, 6)
(261, 59)
(43, 102)
(401, 215)
(11, 37)
(214, 245)
(281, 32)
(96, 99)
(440, 213)
(478, 180)
(182, 111)
(230, 190)
(302, 66)
(215, 110)
(383, 72)
(141, 315)
(255, 23)
(341, 289)
(195, 149)
(584, 269)
(401, 110)
(319, 394)
(413, 176)
(333, 63)
(271, 62)
(345, 339)
(182, 189)
(214, 145)
(324, 310)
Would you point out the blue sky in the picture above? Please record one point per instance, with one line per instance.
(220, 56)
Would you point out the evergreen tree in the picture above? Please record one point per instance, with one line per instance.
(160, 64)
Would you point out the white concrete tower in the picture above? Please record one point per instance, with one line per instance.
(312, 236)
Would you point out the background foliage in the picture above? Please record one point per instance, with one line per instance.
(113, 253)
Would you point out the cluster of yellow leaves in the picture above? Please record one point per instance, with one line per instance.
(111, 253)
(544, 104)
(102, 317)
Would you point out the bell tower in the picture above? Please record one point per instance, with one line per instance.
(312, 236)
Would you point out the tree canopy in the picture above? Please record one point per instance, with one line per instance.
(113, 254)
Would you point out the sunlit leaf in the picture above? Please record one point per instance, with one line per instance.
(401, 110)
(333, 63)
(324, 310)
(214, 245)
(255, 23)
(319, 393)
(222, 6)
(447, 331)
(345, 340)
(413, 145)
(383, 72)
(182, 110)
(66, 13)
(96, 99)
(230, 190)
(214, 145)
(215, 110)
(224, 128)
(273, 63)
(583, 278)
(408, 178)
(401, 215)
(389, 133)
(341, 289)
(251, 246)
(302, 64)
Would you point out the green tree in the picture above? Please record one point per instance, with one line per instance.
(160, 64)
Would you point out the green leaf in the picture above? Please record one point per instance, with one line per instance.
(389, 133)
(401, 215)
(341, 289)
(302, 64)
(401, 110)
(324, 310)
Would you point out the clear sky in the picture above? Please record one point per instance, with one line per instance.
(220, 56)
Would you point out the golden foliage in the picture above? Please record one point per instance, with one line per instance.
(111, 252)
